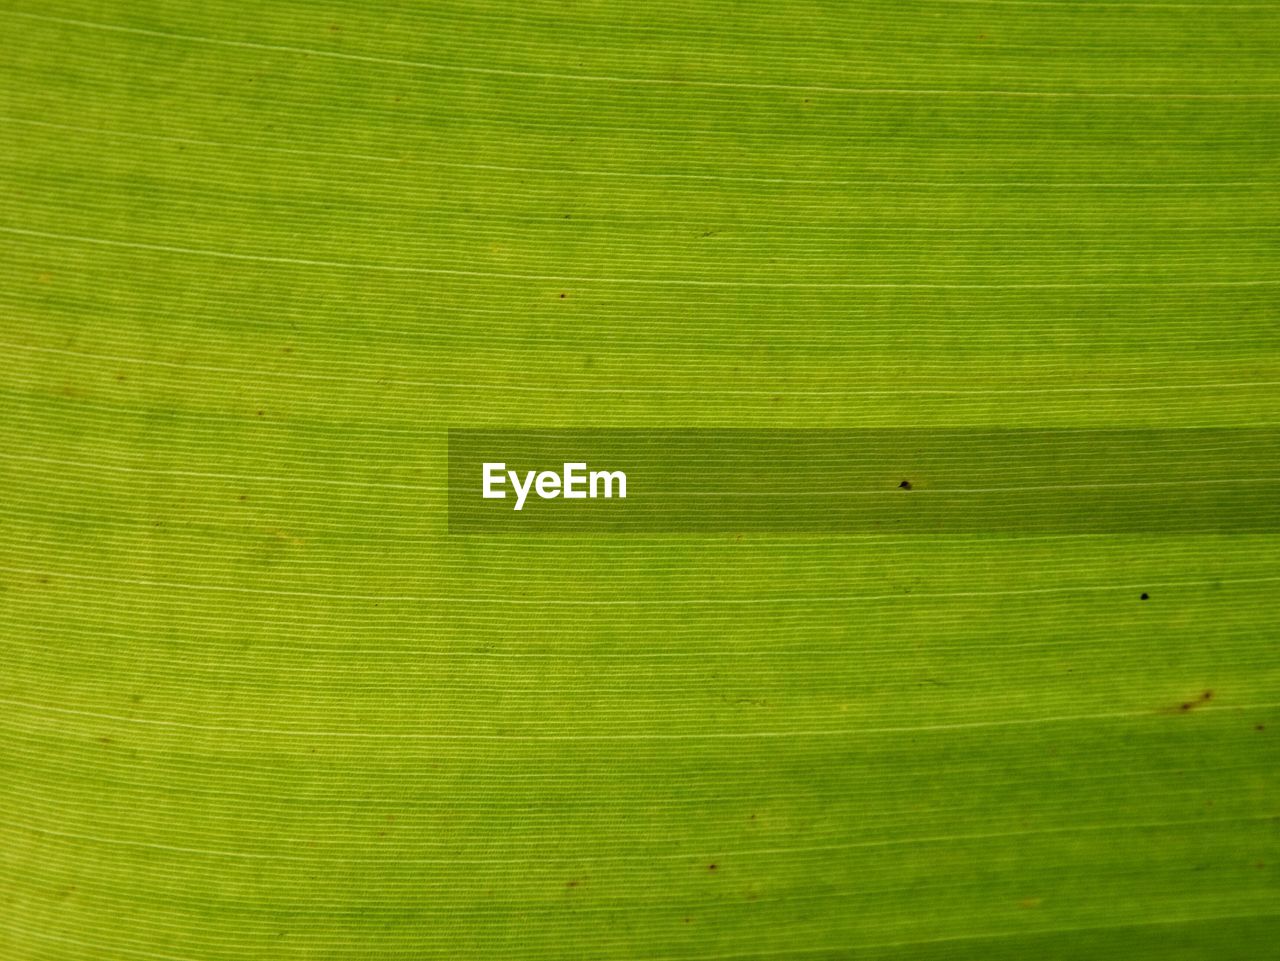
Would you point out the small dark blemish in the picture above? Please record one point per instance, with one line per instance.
(1259, 727)
(260, 413)
(1188, 705)
(571, 884)
(244, 497)
(711, 867)
(563, 295)
(905, 485)
(1145, 596)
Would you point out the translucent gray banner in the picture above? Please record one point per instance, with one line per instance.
(667, 480)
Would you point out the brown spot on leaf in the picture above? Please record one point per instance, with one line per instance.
(1188, 706)
(905, 485)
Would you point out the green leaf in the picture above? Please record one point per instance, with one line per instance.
(256, 701)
